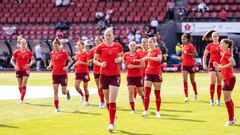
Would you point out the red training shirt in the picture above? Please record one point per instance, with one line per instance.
(108, 54)
(129, 59)
(81, 68)
(215, 52)
(22, 58)
(188, 60)
(96, 68)
(226, 73)
(59, 60)
(154, 67)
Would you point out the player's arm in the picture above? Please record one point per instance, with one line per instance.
(30, 64)
(141, 65)
(12, 61)
(96, 62)
(83, 63)
(69, 63)
(50, 65)
(158, 58)
(229, 65)
(119, 58)
(206, 52)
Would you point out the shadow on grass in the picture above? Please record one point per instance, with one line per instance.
(129, 133)
(78, 112)
(236, 125)
(166, 102)
(42, 105)
(182, 119)
(6, 126)
(171, 110)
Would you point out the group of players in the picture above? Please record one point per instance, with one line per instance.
(143, 70)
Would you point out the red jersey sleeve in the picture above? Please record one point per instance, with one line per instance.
(125, 58)
(120, 49)
(65, 54)
(228, 55)
(91, 54)
(98, 50)
(192, 49)
(30, 54)
(15, 54)
(208, 47)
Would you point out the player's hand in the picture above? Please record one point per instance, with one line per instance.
(103, 64)
(117, 60)
(145, 58)
(49, 67)
(65, 68)
(219, 68)
(205, 67)
(130, 66)
(16, 68)
(26, 66)
(185, 52)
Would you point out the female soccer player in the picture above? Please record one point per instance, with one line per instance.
(153, 76)
(22, 65)
(134, 75)
(229, 79)
(188, 54)
(58, 61)
(215, 55)
(82, 72)
(96, 70)
(110, 54)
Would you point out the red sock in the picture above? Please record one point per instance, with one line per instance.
(147, 98)
(108, 106)
(219, 91)
(212, 89)
(185, 89)
(232, 107)
(230, 110)
(158, 99)
(80, 91)
(135, 93)
(194, 85)
(101, 95)
(20, 89)
(23, 92)
(86, 97)
(56, 104)
(112, 112)
(132, 106)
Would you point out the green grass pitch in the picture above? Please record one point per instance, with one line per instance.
(37, 116)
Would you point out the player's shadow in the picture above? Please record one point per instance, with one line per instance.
(42, 105)
(167, 102)
(171, 110)
(6, 126)
(182, 119)
(129, 133)
(78, 112)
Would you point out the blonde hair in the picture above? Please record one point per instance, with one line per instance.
(108, 30)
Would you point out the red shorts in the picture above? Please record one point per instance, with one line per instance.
(153, 77)
(189, 69)
(109, 80)
(82, 76)
(136, 81)
(21, 74)
(96, 76)
(60, 79)
(211, 68)
(229, 84)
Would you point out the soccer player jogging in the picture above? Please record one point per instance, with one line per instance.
(58, 62)
(215, 55)
(96, 70)
(134, 75)
(22, 65)
(188, 54)
(110, 54)
(229, 79)
(153, 76)
(82, 72)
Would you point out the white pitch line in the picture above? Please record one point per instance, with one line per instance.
(8, 92)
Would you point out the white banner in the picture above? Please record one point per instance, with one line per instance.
(222, 27)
